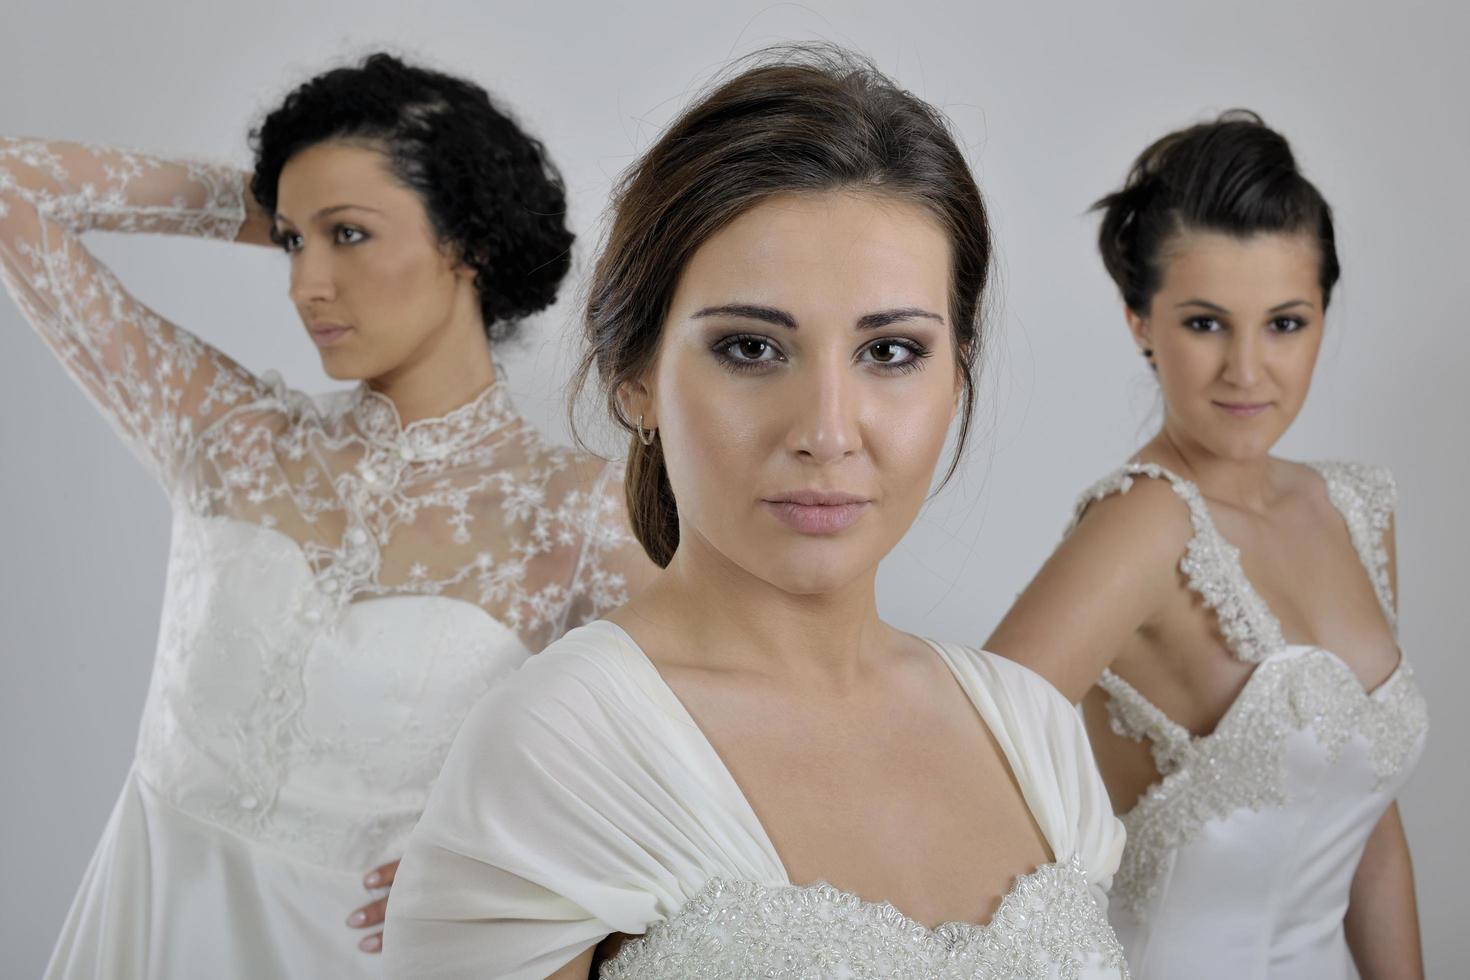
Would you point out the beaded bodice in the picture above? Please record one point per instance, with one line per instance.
(1300, 711)
(1048, 926)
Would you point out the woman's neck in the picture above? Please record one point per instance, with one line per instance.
(706, 612)
(441, 376)
(1246, 483)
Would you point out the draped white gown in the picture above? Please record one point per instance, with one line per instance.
(580, 799)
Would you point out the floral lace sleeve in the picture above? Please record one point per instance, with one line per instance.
(159, 385)
(613, 566)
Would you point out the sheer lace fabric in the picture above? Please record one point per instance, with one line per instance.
(341, 586)
(1243, 852)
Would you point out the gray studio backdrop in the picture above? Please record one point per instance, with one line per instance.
(1052, 101)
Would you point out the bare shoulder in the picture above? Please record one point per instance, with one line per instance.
(1114, 572)
(1135, 519)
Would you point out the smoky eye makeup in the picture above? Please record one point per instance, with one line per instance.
(1289, 324)
(345, 234)
(900, 355)
(1202, 323)
(747, 352)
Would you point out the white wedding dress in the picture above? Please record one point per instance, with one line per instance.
(1240, 858)
(621, 818)
(341, 590)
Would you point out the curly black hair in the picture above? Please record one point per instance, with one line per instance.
(488, 188)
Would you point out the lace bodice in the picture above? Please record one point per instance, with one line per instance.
(341, 586)
(1297, 714)
(1048, 926)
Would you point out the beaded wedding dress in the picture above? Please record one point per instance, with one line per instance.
(1240, 858)
(341, 588)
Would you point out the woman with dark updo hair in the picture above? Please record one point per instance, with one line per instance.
(1228, 618)
(745, 772)
(347, 575)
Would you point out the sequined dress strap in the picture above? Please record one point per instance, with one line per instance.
(1211, 566)
(1366, 497)
(1135, 716)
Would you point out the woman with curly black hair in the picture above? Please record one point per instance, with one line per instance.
(347, 575)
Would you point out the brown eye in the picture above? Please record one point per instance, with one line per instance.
(747, 352)
(893, 354)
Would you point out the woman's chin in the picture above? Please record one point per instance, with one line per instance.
(340, 368)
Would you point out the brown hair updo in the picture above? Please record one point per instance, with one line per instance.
(793, 119)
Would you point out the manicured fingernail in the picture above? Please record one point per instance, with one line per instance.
(372, 943)
(357, 918)
(372, 880)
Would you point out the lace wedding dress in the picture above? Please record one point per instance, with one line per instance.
(1240, 858)
(625, 820)
(341, 589)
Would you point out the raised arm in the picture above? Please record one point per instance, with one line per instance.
(1106, 580)
(159, 385)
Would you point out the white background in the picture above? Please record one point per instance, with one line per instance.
(1052, 102)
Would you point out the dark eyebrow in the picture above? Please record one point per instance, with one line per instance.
(1213, 307)
(324, 212)
(1220, 309)
(875, 321)
(749, 311)
(780, 318)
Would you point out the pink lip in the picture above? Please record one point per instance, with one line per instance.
(817, 511)
(325, 334)
(1243, 410)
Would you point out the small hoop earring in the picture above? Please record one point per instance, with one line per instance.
(645, 436)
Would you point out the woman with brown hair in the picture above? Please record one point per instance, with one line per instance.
(746, 766)
(1227, 617)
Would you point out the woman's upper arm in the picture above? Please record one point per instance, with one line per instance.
(1106, 579)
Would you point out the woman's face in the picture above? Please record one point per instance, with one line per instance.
(805, 381)
(1235, 328)
(374, 287)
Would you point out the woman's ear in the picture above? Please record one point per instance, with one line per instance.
(636, 402)
(1142, 332)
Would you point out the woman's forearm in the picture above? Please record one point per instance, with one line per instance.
(81, 187)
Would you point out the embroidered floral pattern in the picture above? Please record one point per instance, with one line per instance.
(293, 518)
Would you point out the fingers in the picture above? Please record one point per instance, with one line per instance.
(370, 914)
(381, 877)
